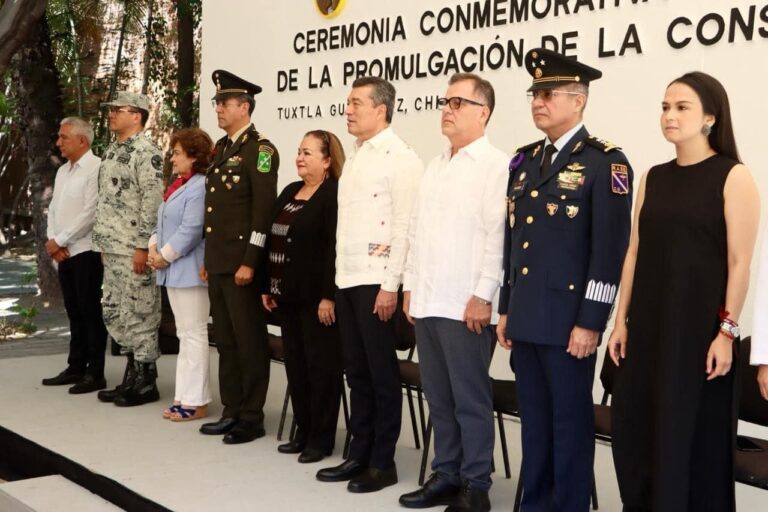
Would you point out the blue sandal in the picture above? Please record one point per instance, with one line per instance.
(167, 413)
(189, 414)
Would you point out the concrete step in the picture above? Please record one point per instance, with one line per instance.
(50, 494)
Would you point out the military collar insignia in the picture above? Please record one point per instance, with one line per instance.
(536, 150)
(578, 147)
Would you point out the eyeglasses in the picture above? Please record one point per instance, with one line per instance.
(548, 94)
(117, 110)
(456, 102)
(225, 103)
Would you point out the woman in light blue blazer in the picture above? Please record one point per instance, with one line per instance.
(176, 253)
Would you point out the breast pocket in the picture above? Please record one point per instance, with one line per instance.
(563, 205)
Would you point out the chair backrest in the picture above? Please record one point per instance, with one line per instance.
(607, 377)
(752, 407)
(404, 331)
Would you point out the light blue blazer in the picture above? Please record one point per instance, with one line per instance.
(180, 224)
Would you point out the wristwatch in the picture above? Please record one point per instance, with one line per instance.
(481, 301)
(730, 329)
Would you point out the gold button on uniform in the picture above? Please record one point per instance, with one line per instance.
(525, 245)
(208, 229)
(525, 271)
(529, 220)
(562, 197)
(240, 237)
(534, 193)
(216, 171)
(571, 287)
(210, 209)
(213, 189)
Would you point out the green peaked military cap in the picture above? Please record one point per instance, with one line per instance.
(128, 99)
(550, 69)
(228, 84)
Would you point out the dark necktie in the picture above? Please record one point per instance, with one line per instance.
(228, 145)
(546, 162)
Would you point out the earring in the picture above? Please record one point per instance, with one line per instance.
(706, 130)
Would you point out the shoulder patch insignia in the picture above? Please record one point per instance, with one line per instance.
(601, 144)
(264, 163)
(619, 179)
(157, 162)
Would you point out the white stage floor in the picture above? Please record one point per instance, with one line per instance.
(175, 466)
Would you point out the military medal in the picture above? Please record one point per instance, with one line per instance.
(229, 186)
(522, 176)
(224, 178)
(552, 209)
(570, 180)
(511, 211)
(571, 210)
(236, 179)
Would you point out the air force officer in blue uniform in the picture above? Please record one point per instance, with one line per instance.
(569, 207)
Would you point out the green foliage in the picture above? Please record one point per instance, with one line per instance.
(26, 325)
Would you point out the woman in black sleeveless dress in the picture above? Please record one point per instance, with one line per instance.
(684, 282)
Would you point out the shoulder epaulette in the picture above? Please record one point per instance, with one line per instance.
(532, 145)
(601, 144)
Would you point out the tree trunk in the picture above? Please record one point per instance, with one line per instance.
(186, 62)
(40, 110)
(147, 52)
(17, 19)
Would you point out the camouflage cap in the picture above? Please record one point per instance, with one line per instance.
(129, 99)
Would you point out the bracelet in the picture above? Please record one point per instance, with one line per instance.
(481, 301)
(727, 334)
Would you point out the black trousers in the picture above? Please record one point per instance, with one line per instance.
(80, 277)
(373, 374)
(313, 363)
(240, 330)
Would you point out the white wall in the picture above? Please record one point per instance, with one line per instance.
(255, 38)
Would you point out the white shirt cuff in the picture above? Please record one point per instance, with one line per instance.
(486, 288)
(168, 253)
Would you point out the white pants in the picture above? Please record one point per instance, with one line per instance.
(191, 308)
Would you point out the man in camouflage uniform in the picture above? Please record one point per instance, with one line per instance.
(130, 191)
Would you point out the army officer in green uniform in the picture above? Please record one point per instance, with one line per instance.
(241, 187)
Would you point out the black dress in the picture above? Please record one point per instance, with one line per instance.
(674, 432)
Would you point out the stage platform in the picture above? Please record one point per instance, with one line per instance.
(174, 467)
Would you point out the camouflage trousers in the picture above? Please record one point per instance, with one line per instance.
(131, 307)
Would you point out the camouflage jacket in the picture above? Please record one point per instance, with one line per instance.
(130, 191)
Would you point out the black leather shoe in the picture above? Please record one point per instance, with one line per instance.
(436, 491)
(341, 473)
(471, 500)
(64, 378)
(218, 428)
(373, 480)
(291, 447)
(244, 432)
(88, 384)
(311, 455)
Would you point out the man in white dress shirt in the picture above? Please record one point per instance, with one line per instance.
(71, 216)
(376, 191)
(452, 273)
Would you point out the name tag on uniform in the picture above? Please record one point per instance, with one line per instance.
(570, 180)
